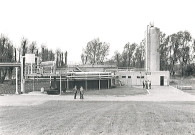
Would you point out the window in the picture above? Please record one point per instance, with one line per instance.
(142, 76)
(123, 76)
(138, 76)
(129, 76)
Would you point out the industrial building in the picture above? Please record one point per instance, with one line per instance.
(95, 76)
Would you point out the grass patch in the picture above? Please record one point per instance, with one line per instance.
(182, 81)
(118, 91)
(61, 117)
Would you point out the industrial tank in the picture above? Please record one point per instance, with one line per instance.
(152, 49)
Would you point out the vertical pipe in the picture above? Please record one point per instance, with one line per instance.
(60, 84)
(22, 75)
(108, 84)
(17, 80)
(31, 68)
(99, 82)
(146, 45)
(33, 83)
(86, 82)
(50, 80)
(111, 79)
(67, 84)
(28, 69)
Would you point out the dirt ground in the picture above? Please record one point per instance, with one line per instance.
(99, 117)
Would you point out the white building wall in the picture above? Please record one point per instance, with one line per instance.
(137, 77)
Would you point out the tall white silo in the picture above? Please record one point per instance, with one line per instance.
(152, 48)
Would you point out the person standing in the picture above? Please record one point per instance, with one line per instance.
(146, 84)
(143, 85)
(150, 84)
(81, 92)
(75, 91)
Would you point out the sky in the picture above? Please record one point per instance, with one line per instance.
(69, 25)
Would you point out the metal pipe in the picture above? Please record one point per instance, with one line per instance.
(17, 80)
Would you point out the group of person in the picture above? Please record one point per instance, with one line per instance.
(147, 84)
(81, 91)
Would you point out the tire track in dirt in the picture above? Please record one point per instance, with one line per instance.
(38, 116)
(72, 120)
(130, 119)
(103, 118)
(184, 122)
(122, 118)
(87, 117)
(68, 121)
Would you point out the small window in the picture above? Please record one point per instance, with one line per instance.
(123, 76)
(142, 76)
(129, 76)
(138, 76)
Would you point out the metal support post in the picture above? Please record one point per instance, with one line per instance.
(99, 82)
(86, 82)
(31, 67)
(22, 76)
(17, 80)
(50, 80)
(33, 83)
(108, 81)
(67, 84)
(60, 84)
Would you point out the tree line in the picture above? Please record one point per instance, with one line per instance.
(177, 54)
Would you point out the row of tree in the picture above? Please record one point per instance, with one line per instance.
(177, 53)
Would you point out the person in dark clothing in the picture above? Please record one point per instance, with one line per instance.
(75, 91)
(143, 85)
(150, 84)
(146, 84)
(81, 92)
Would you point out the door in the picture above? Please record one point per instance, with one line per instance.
(161, 80)
(129, 81)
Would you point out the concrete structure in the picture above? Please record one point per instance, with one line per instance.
(152, 49)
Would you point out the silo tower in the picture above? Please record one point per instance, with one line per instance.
(152, 48)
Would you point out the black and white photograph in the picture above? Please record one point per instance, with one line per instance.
(97, 67)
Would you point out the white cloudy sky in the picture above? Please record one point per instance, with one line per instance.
(70, 24)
